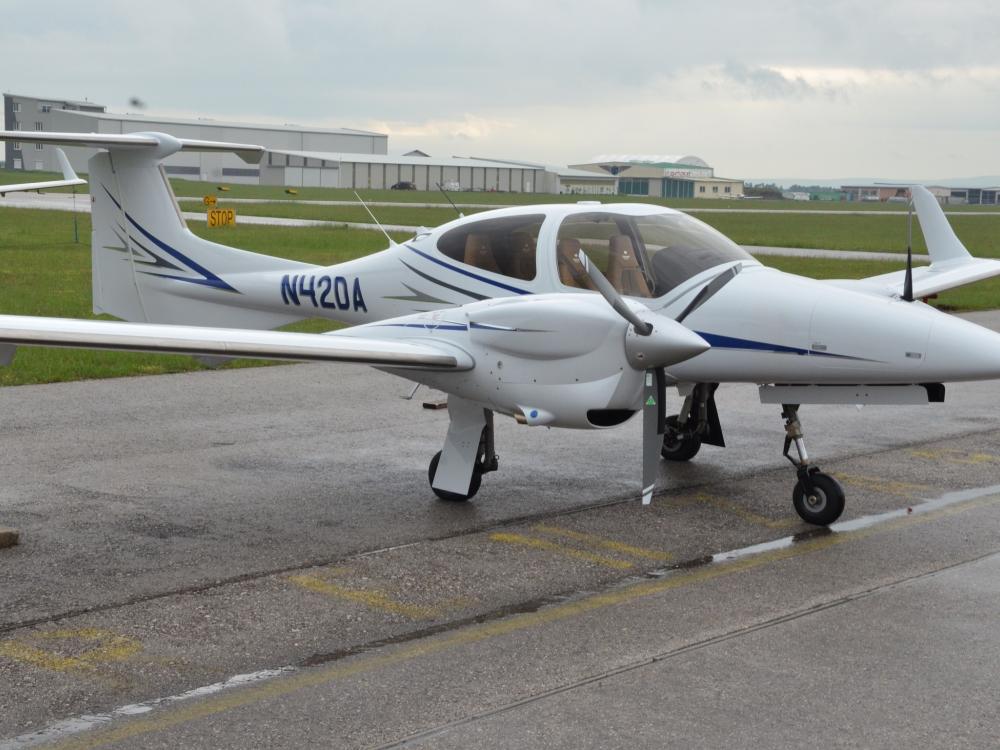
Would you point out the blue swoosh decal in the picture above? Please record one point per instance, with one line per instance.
(462, 271)
(731, 342)
(427, 326)
(208, 278)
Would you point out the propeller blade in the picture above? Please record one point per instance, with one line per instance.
(614, 299)
(654, 424)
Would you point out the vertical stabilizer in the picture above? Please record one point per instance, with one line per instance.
(148, 267)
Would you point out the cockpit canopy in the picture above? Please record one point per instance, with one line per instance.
(505, 245)
(641, 255)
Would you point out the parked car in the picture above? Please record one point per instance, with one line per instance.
(403, 186)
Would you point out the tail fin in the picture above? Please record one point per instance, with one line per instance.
(148, 267)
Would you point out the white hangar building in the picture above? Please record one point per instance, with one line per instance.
(61, 115)
(361, 172)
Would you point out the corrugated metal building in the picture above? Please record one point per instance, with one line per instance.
(313, 168)
(34, 113)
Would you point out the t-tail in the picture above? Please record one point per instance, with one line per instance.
(149, 267)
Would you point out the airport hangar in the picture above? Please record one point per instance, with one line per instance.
(350, 158)
(65, 116)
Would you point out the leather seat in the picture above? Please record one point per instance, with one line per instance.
(571, 270)
(479, 253)
(523, 255)
(624, 271)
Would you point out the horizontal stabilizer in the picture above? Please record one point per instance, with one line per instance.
(951, 264)
(166, 144)
(69, 179)
(227, 342)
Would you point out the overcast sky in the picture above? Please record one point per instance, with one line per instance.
(760, 88)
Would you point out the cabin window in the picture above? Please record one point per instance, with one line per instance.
(506, 246)
(642, 256)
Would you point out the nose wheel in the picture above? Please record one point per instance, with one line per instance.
(818, 498)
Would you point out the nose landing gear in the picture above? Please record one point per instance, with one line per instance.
(818, 498)
(468, 452)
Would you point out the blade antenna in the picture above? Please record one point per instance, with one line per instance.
(908, 280)
(448, 198)
(377, 222)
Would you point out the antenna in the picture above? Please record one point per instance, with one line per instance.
(377, 222)
(460, 214)
(908, 280)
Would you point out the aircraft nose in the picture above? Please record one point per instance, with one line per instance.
(961, 350)
(669, 343)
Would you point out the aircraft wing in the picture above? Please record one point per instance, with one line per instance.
(17, 330)
(951, 264)
(69, 178)
(248, 152)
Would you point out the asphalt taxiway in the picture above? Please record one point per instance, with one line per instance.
(254, 558)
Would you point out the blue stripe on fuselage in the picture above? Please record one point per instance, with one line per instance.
(462, 271)
(717, 341)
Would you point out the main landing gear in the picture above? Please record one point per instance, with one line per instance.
(818, 498)
(456, 472)
(697, 423)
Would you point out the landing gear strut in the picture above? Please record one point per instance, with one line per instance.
(818, 498)
(465, 418)
(697, 423)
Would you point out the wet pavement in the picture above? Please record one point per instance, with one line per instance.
(253, 558)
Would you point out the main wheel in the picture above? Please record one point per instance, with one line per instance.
(453, 497)
(677, 447)
(824, 504)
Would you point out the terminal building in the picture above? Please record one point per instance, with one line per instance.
(664, 176)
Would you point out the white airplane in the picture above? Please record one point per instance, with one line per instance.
(563, 315)
(69, 179)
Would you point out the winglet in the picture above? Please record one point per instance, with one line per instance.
(942, 244)
(70, 179)
(68, 174)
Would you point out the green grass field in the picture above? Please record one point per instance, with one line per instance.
(43, 272)
(878, 233)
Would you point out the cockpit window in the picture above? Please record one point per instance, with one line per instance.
(642, 256)
(506, 246)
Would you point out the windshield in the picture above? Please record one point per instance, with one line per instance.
(642, 256)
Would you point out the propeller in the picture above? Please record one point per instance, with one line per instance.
(653, 343)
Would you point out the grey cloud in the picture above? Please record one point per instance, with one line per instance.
(766, 83)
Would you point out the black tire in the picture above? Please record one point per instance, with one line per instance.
(824, 505)
(678, 448)
(453, 497)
